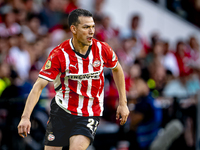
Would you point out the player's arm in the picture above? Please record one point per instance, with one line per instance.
(25, 124)
(122, 109)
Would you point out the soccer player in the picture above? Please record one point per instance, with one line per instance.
(76, 68)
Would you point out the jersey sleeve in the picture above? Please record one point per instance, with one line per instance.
(109, 57)
(51, 68)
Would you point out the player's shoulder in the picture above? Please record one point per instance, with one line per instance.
(65, 45)
(104, 45)
(58, 49)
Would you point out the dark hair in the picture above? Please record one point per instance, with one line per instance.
(73, 16)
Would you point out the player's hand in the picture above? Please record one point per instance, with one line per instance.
(24, 127)
(123, 112)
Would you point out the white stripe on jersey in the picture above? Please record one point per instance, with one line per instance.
(46, 78)
(66, 58)
(80, 105)
(101, 102)
(90, 69)
(101, 94)
(81, 98)
(100, 49)
(89, 108)
(57, 81)
(80, 71)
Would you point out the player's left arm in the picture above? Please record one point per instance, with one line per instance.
(122, 109)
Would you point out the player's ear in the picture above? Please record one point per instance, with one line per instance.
(73, 29)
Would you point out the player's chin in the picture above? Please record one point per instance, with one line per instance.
(88, 43)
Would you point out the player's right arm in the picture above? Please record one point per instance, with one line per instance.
(25, 124)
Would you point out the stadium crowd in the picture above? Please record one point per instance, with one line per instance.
(162, 83)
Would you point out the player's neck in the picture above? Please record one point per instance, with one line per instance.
(79, 47)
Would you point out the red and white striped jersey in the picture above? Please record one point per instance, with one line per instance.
(78, 79)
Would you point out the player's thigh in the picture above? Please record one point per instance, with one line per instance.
(79, 142)
(52, 148)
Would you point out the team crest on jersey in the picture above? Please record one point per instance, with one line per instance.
(48, 65)
(51, 137)
(96, 63)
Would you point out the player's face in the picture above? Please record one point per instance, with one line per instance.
(85, 30)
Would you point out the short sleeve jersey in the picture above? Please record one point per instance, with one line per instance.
(78, 79)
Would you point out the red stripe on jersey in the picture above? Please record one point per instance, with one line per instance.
(73, 96)
(85, 64)
(96, 107)
(84, 87)
(86, 98)
(85, 105)
(85, 82)
(73, 102)
(95, 87)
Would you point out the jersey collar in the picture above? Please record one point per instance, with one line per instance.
(79, 54)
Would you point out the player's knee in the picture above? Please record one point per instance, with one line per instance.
(79, 142)
(78, 147)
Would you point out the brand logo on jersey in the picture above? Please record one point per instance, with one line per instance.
(94, 75)
(48, 65)
(51, 137)
(74, 66)
(96, 63)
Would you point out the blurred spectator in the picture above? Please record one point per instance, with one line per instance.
(125, 54)
(145, 121)
(21, 16)
(57, 36)
(53, 13)
(20, 56)
(140, 47)
(194, 50)
(9, 26)
(17, 4)
(72, 4)
(97, 8)
(98, 14)
(33, 29)
(31, 6)
(157, 79)
(183, 58)
(183, 87)
(39, 50)
(106, 31)
(4, 49)
(156, 54)
(155, 37)
(145, 118)
(169, 60)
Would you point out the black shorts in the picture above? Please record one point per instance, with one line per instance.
(62, 125)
